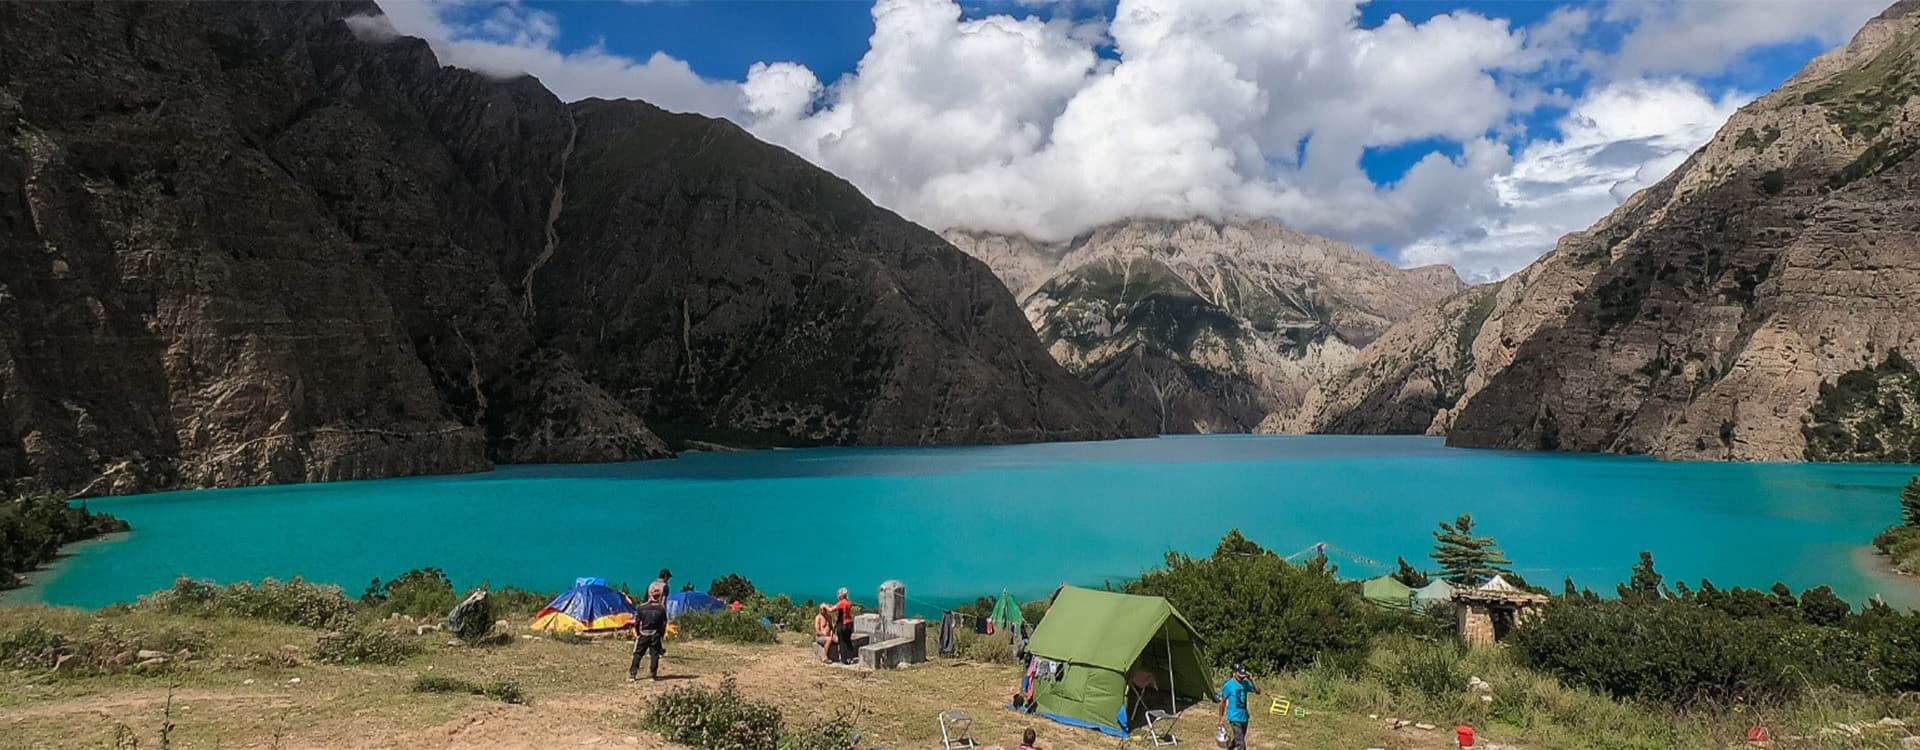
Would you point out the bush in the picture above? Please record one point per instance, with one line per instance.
(1260, 609)
(732, 588)
(421, 592)
(294, 602)
(1668, 652)
(365, 645)
(505, 691)
(729, 627)
(796, 618)
(512, 601)
(1430, 670)
(985, 649)
(719, 719)
(833, 733)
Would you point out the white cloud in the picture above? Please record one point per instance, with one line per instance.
(1221, 108)
(1018, 125)
(513, 40)
(1706, 36)
(1617, 140)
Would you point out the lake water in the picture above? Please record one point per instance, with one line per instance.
(954, 523)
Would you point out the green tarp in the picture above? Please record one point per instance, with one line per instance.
(1006, 614)
(1387, 593)
(1107, 641)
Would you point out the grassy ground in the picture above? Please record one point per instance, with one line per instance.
(253, 685)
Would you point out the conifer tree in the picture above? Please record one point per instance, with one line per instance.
(1645, 582)
(1464, 558)
(1910, 502)
(1409, 576)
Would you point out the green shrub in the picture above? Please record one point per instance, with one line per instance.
(832, 733)
(720, 719)
(1260, 609)
(1674, 653)
(983, 648)
(365, 645)
(732, 588)
(32, 647)
(421, 592)
(729, 627)
(796, 618)
(511, 601)
(294, 602)
(1429, 670)
(505, 691)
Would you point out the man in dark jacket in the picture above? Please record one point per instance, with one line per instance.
(650, 625)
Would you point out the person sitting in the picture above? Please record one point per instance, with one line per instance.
(823, 632)
(1027, 740)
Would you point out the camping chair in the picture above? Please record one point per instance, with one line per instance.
(956, 730)
(1160, 727)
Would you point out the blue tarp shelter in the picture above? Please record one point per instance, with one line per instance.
(692, 601)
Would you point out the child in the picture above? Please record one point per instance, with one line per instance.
(1027, 739)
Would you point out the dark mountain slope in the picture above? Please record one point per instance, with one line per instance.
(240, 243)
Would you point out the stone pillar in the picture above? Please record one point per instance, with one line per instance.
(893, 601)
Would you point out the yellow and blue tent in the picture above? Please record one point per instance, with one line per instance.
(589, 607)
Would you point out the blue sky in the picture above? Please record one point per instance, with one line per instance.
(1419, 120)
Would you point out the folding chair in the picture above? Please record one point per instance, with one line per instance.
(1160, 727)
(956, 730)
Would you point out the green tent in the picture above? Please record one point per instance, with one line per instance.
(1109, 643)
(1387, 592)
(1006, 614)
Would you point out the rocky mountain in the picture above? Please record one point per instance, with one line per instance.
(1198, 326)
(1753, 305)
(263, 242)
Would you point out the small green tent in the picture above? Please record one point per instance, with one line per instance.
(1387, 592)
(1102, 640)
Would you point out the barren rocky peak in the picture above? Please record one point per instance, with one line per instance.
(1197, 325)
(1750, 306)
(242, 243)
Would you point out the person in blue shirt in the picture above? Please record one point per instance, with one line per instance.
(1233, 705)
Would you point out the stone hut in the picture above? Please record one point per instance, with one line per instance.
(1486, 614)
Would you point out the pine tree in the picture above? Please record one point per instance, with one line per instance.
(1236, 544)
(1910, 502)
(1409, 576)
(1465, 558)
(1645, 582)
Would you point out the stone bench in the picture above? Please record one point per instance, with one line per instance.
(860, 641)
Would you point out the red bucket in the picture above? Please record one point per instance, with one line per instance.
(1465, 734)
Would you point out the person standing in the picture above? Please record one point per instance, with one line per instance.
(1233, 706)
(843, 610)
(665, 581)
(650, 626)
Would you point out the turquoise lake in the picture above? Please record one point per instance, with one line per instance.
(954, 523)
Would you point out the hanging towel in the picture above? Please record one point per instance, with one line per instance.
(946, 633)
(980, 626)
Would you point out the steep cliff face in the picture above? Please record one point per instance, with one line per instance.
(1193, 326)
(1706, 317)
(242, 243)
(1405, 379)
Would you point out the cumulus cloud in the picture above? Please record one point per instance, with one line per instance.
(1615, 141)
(1217, 108)
(1207, 107)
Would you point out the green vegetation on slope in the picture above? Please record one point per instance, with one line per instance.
(1901, 542)
(1864, 100)
(34, 527)
(1869, 414)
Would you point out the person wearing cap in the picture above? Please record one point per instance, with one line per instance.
(844, 628)
(665, 580)
(1233, 705)
(650, 629)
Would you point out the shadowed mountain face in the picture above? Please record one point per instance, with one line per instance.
(1753, 305)
(244, 244)
(1193, 326)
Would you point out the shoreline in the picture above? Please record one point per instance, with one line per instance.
(1878, 566)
